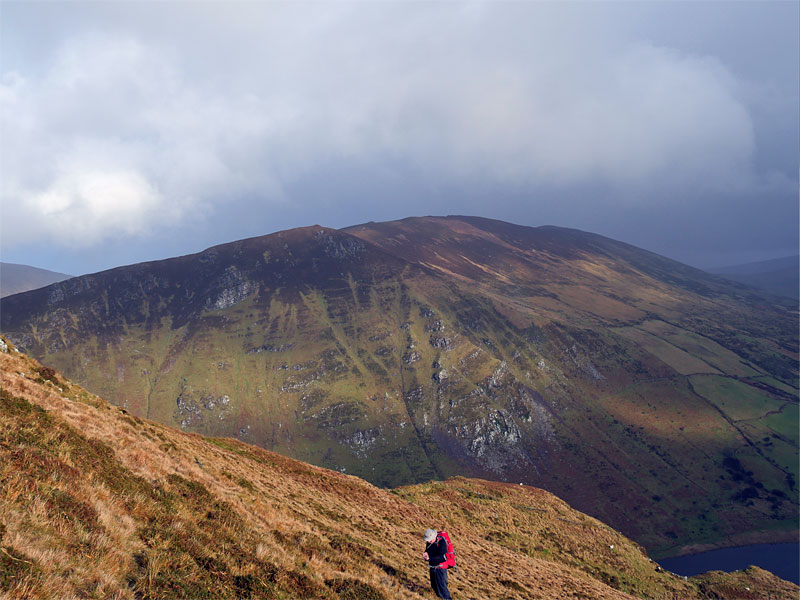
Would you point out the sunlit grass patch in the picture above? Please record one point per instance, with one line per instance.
(735, 398)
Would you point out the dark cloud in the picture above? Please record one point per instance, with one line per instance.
(154, 130)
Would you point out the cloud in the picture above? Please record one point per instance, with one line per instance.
(112, 140)
(641, 115)
(85, 205)
(184, 112)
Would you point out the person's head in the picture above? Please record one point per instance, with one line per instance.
(430, 535)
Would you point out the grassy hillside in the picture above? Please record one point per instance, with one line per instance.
(644, 392)
(98, 503)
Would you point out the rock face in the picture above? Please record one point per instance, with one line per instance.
(413, 350)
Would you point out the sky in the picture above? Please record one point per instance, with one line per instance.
(134, 131)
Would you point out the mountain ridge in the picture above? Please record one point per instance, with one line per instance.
(586, 240)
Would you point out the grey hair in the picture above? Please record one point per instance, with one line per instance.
(430, 535)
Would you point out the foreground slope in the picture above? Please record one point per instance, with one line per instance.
(652, 395)
(95, 502)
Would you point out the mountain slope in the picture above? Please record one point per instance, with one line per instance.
(778, 276)
(96, 502)
(21, 278)
(647, 393)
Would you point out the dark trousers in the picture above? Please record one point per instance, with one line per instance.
(439, 582)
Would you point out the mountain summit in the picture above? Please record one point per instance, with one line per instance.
(650, 394)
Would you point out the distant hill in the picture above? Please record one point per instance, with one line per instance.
(22, 278)
(98, 503)
(659, 398)
(779, 276)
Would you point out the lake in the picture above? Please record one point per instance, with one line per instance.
(781, 559)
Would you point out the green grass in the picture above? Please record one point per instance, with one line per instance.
(780, 385)
(701, 347)
(680, 360)
(736, 399)
(785, 422)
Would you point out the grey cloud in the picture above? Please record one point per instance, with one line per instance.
(137, 120)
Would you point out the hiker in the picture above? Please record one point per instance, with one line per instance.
(435, 551)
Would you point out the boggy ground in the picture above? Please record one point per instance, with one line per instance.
(96, 503)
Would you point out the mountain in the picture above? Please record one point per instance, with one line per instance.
(654, 396)
(21, 278)
(779, 276)
(97, 502)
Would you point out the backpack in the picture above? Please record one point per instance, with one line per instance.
(450, 555)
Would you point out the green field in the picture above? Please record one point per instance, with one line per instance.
(701, 347)
(736, 399)
(682, 361)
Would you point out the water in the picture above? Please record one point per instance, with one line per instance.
(781, 559)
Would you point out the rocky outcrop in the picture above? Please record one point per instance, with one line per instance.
(341, 247)
(194, 409)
